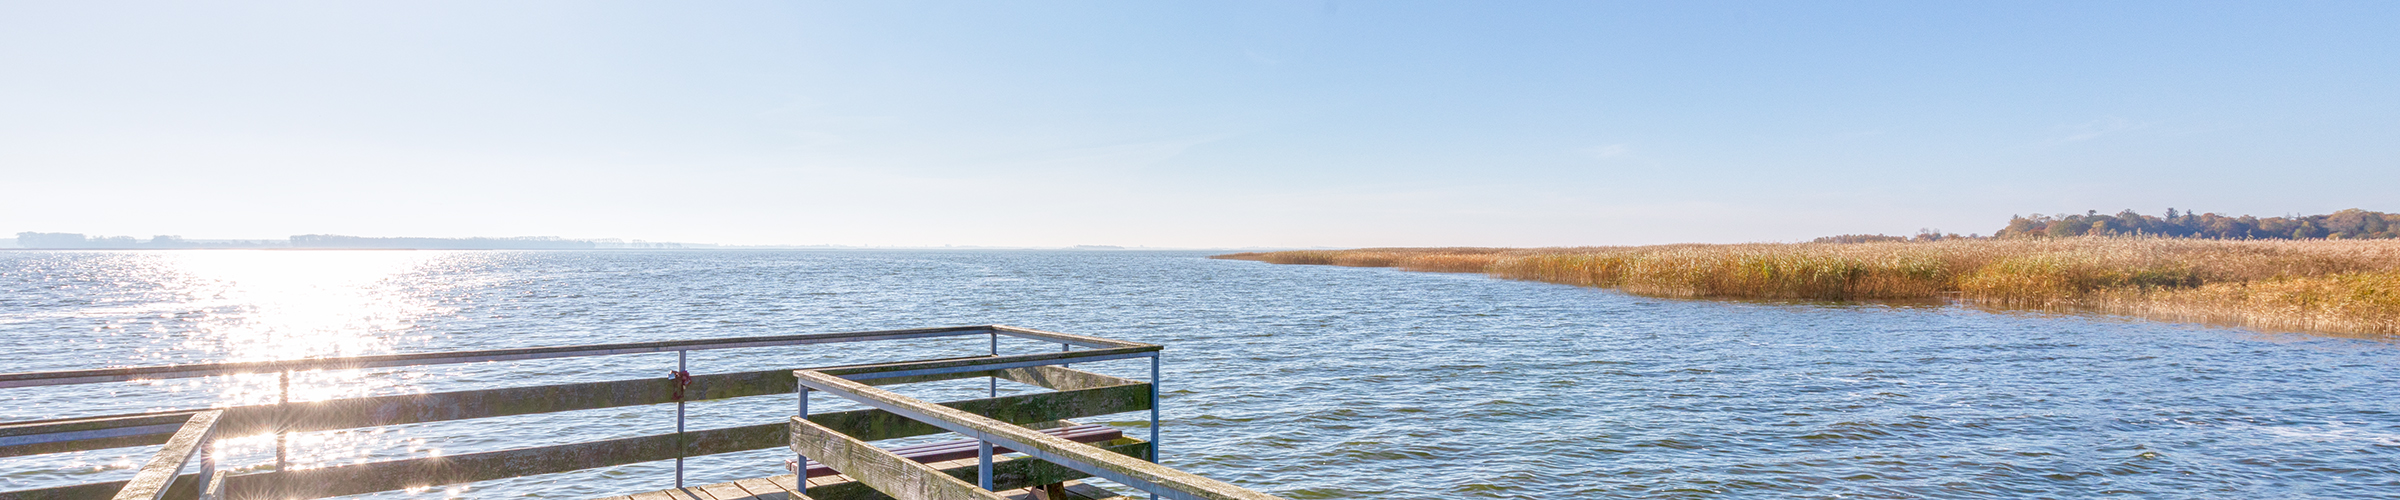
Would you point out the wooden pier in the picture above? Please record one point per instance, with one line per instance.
(1024, 446)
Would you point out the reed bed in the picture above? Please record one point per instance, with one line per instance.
(2339, 286)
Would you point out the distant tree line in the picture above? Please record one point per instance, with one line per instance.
(2346, 224)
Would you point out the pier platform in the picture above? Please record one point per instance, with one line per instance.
(1019, 446)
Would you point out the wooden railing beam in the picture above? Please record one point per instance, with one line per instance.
(152, 481)
(889, 473)
(117, 431)
(1157, 479)
(867, 424)
(1006, 474)
(71, 377)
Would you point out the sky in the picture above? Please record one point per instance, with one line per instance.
(1216, 124)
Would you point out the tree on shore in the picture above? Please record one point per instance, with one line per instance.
(2346, 224)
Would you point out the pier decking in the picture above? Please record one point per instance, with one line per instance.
(1013, 459)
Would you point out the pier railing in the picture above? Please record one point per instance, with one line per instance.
(893, 474)
(194, 439)
(188, 433)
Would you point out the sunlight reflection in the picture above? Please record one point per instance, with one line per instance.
(295, 304)
(259, 305)
(299, 304)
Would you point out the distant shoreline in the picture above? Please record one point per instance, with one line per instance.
(2328, 286)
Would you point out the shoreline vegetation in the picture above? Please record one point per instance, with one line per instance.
(2348, 286)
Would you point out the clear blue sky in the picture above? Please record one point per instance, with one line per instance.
(1189, 124)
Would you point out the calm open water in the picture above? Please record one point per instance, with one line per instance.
(1302, 381)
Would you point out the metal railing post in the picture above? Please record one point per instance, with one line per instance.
(208, 467)
(283, 398)
(682, 371)
(995, 380)
(800, 467)
(983, 474)
(1154, 378)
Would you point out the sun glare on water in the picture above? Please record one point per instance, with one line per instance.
(269, 305)
(302, 304)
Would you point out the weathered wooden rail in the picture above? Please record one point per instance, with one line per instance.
(188, 433)
(909, 480)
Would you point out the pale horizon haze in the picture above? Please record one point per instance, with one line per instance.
(1182, 124)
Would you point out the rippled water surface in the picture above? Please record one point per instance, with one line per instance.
(1303, 381)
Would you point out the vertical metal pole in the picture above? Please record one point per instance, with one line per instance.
(802, 469)
(680, 367)
(1154, 361)
(983, 471)
(1153, 409)
(983, 475)
(283, 400)
(995, 380)
(208, 466)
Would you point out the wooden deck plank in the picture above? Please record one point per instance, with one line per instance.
(726, 491)
(828, 480)
(1074, 491)
(761, 489)
(682, 494)
(789, 483)
(1082, 491)
(687, 493)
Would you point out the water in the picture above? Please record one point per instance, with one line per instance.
(1302, 381)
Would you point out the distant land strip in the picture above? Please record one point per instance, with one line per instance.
(78, 241)
(2316, 285)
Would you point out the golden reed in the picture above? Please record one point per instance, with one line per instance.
(2341, 286)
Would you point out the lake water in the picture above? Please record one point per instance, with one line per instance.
(1302, 381)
